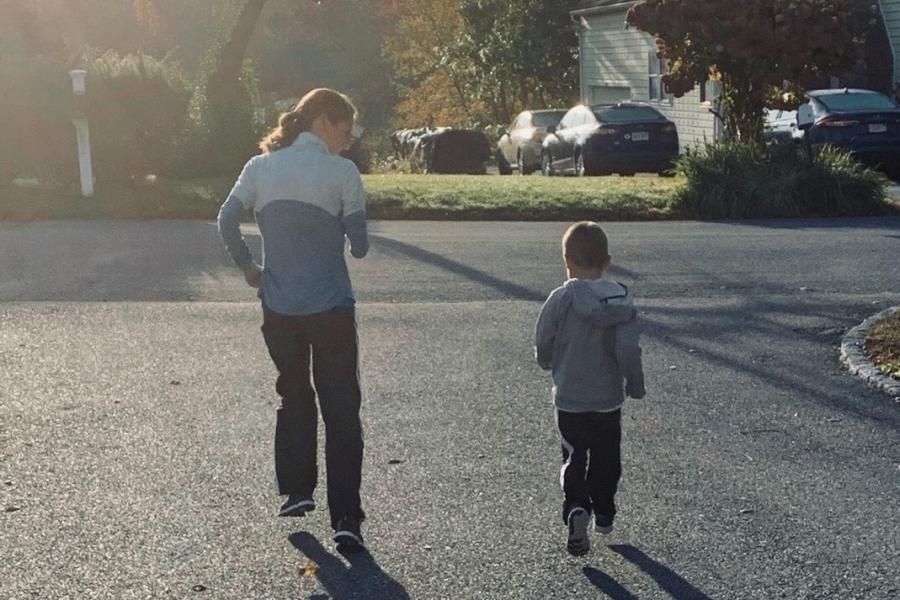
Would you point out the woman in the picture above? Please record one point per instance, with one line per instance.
(306, 200)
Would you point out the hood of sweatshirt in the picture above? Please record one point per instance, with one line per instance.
(603, 302)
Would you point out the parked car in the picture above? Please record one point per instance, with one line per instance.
(520, 147)
(450, 151)
(619, 138)
(863, 122)
(780, 125)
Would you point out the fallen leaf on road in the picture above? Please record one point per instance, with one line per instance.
(309, 569)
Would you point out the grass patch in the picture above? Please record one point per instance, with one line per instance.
(392, 196)
(883, 345)
(162, 199)
(473, 197)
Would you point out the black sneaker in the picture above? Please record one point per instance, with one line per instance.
(296, 505)
(603, 524)
(579, 543)
(347, 535)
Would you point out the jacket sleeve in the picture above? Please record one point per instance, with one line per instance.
(546, 330)
(628, 356)
(230, 231)
(353, 210)
(241, 198)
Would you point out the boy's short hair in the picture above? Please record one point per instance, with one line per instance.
(585, 244)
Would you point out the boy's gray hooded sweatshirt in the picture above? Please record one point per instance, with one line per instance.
(588, 335)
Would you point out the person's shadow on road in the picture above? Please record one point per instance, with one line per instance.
(363, 579)
(675, 585)
(607, 584)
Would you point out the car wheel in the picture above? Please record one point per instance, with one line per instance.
(502, 164)
(523, 168)
(546, 164)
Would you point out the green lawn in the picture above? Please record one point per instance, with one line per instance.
(391, 196)
(519, 198)
(157, 200)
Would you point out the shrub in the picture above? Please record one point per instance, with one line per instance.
(136, 105)
(224, 130)
(735, 180)
(37, 138)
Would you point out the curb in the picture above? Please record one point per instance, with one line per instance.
(854, 357)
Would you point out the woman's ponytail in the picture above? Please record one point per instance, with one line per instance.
(336, 106)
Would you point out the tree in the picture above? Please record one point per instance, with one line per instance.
(303, 45)
(433, 76)
(481, 61)
(524, 52)
(227, 100)
(764, 53)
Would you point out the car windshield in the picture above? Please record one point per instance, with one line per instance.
(546, 119)
(856, 102)
(625, 114)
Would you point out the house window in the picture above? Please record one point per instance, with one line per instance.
(656, 68)
(710, 90)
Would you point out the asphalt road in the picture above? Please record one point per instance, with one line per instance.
(137, 407)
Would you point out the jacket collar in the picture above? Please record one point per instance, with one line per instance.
(309, 140)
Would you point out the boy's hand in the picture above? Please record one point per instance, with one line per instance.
(635, 392)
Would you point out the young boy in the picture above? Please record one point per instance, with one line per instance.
(587, 336)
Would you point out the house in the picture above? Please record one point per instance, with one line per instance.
(617, 64)
(890, 10)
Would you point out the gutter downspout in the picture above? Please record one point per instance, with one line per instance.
(895, 72)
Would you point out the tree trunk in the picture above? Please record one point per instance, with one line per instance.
(232, 134)
(225, 79)
(743, 108)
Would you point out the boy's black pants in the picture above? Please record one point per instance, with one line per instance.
(329, 341)
(592, 460)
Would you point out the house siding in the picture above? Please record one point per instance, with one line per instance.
(891, 11)
(614, 57)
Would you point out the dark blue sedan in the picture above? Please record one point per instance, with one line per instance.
(865, 123)
(619, 138)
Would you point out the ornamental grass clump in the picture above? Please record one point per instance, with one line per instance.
(744, 180)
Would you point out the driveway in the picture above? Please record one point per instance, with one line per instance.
(137, 406)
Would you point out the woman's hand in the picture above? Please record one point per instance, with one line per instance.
(253, 276)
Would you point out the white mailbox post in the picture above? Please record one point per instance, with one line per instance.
(83, 136)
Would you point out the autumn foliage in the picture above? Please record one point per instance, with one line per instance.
(764, 52)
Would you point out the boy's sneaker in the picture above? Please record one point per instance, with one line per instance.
(296, 505)
(579, 543)
(603, 524)
(347, 535)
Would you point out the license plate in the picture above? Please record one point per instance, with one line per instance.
(640, 136)
(877, 128)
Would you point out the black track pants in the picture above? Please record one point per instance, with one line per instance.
(328, 341)
(592, 462)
